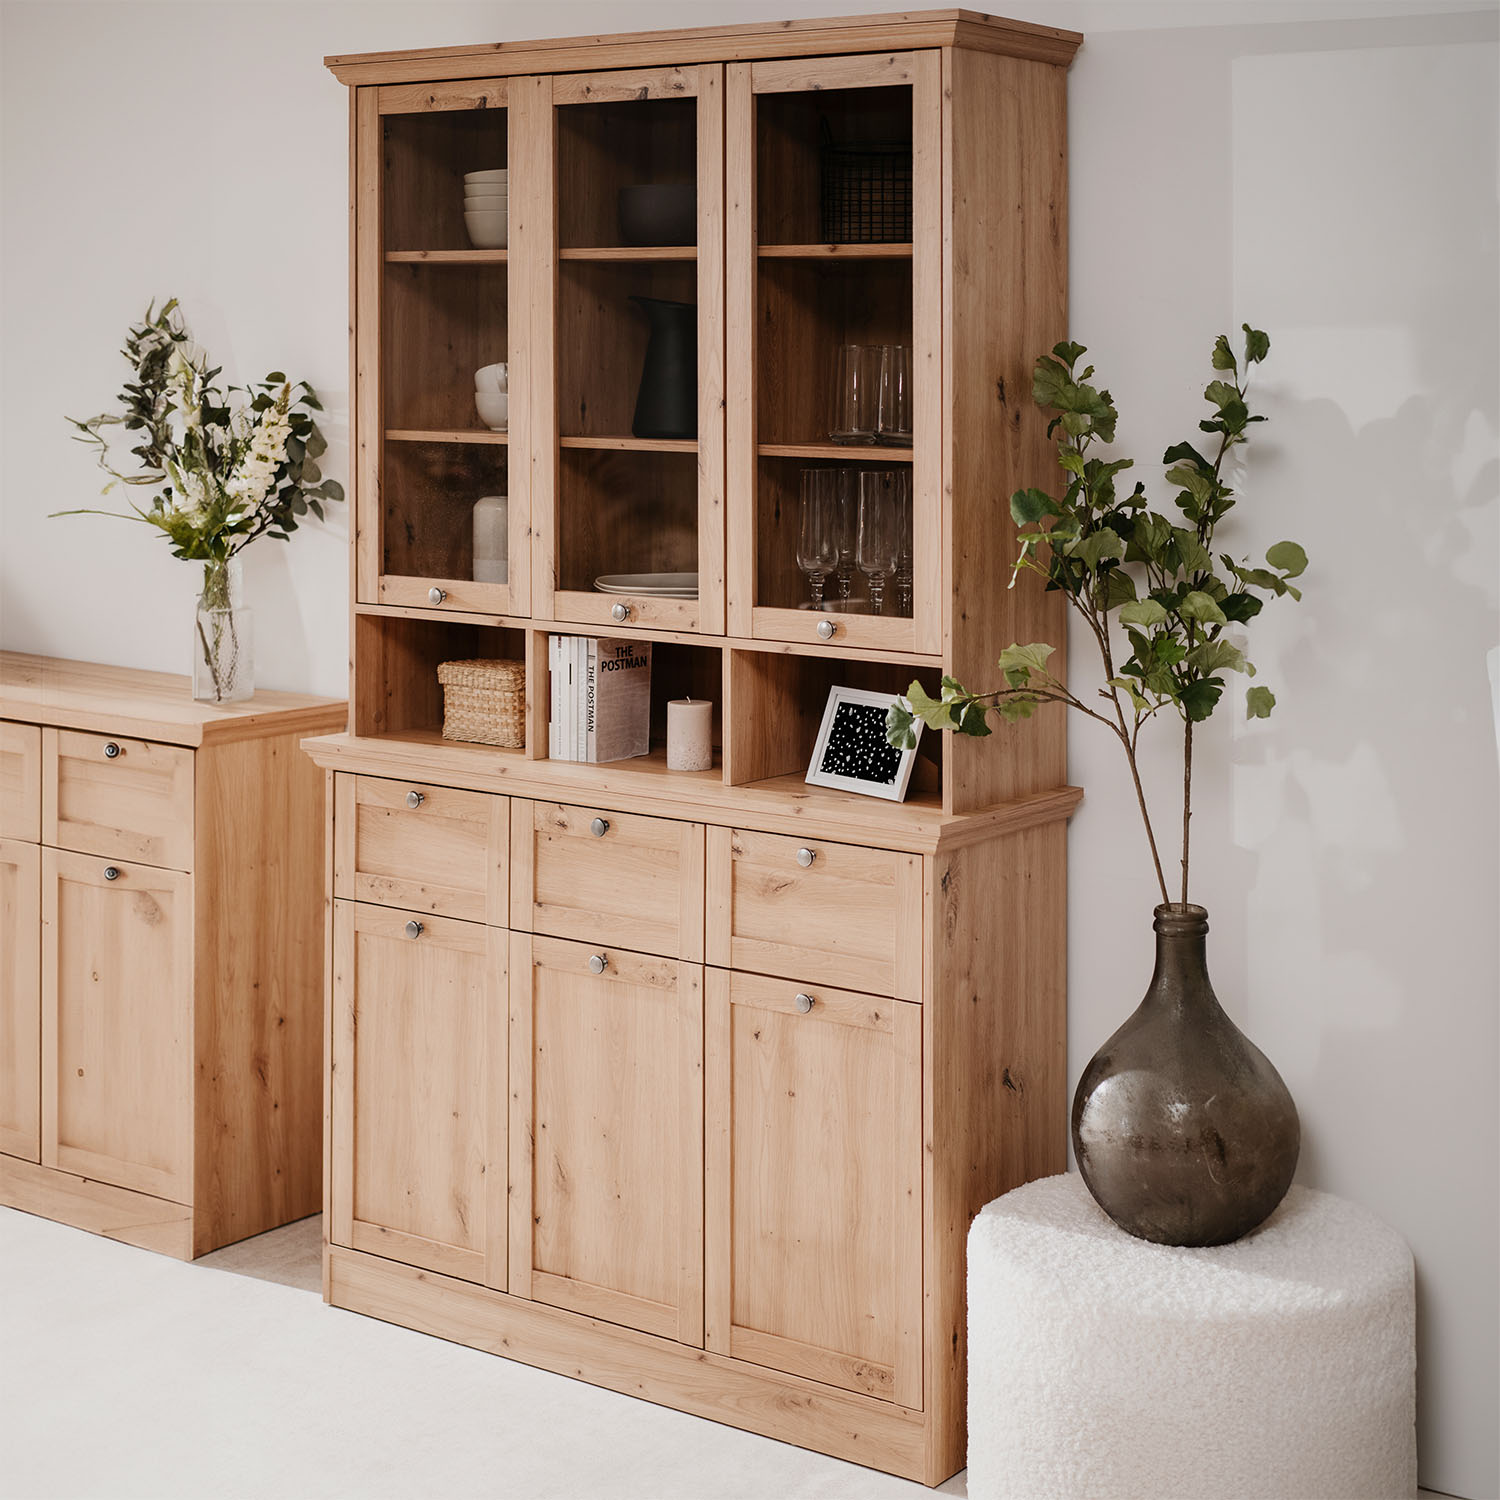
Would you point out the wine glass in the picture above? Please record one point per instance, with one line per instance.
(904, 542)
(893, 405)
(817, 537)
(876, 548)
(846, 490)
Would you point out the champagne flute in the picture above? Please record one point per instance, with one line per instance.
(817, 536)
(846, 489)
(905, 539)
(876, 549)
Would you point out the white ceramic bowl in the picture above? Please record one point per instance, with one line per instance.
(494, 409)
(493, 378)
(488, 231)
(500, 175)
(486, 202)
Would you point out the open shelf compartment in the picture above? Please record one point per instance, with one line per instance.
(425, 158)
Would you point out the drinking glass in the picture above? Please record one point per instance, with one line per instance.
(846, 490)
(817, 537)
(856, 394)
(893, 405)
(904, 542)
(876, 548)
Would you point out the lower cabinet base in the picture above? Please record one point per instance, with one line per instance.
(844, 1425)
(118, 1214)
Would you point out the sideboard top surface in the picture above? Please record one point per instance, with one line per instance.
(806, 38)
(152, 705)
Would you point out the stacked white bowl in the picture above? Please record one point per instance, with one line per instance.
(487, 208)
(492, 396)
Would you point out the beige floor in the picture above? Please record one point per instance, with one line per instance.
(123, 1373)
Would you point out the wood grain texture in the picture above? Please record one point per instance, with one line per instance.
(258, 980)
(397, 99)
(420, 1064)
(367, 407)
(20, 999)
(20, 781)
(117, 1023)
(857, 1428)
(996, 1105)
(116, 1213)
(1005, 270)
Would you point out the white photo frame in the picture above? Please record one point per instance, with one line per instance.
(851, 753)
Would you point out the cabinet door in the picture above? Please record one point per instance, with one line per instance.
(814, 1183)
(628, 379)
(833, 196)
(20, 781)
(419, 1090)
(117, 1019)
(439, 301)
(20, 999)
(607, 1134)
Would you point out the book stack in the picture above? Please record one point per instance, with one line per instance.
(601, 698)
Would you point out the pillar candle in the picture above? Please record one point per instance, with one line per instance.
(690, 734)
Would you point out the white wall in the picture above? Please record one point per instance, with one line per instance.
(1324, 170)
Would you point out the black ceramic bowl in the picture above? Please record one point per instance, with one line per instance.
(659, 213)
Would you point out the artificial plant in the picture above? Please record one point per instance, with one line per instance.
(1157, 599)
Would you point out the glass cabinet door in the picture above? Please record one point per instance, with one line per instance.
(441, 396)
(628, 441)
(833, 294)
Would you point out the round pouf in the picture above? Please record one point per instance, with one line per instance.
(1101, 1366)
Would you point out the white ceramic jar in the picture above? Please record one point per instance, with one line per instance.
(492, 539)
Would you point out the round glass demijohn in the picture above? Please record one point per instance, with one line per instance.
(223, 636)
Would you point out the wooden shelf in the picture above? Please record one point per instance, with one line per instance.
(877, 251)
(448, 257)
(632, 444)
(629, 252)
(843, 452)
(424, 435)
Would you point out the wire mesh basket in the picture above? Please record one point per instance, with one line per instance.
(866, 191)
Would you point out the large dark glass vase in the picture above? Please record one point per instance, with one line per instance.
(667, 404)
(1184, 1132)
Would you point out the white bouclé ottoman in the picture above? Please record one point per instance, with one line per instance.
(1282, 1367)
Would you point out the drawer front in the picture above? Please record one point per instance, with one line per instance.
(422, 848)
(20, 782)
(120, 798)
(830, 913)
(600, 876)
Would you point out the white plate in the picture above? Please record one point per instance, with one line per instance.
(650, 585)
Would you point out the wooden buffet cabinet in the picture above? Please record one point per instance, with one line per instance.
(161, 950)
(689, 1083)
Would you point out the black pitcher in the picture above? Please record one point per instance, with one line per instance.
(667, 405)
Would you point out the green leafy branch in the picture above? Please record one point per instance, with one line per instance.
(1125, 568)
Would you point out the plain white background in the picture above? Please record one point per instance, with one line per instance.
(1324, 170)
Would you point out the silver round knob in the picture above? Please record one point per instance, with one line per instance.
(826, 629)
(436, 595)
(805, 857)
(111, 873)
(598, 963)
(804, 1003)
(599, 827)
(414, 929)
(111, 750)
(415, 799)
(619, 612)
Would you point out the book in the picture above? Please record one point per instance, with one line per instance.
(618, 700)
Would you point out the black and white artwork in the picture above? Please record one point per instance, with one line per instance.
(852, 753)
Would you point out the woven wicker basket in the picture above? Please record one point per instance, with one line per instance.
(484, 702)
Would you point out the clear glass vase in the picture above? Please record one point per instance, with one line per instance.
(223, 637)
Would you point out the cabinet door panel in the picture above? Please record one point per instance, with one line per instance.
(120, 798)
(419, 1090)
(424, 848)
(607, 1133)
(20, 999)
(20, 781)
(814, 1183)
(807, 909)
(117, 1015)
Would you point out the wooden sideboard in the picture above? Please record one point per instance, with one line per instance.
(689, 1083)
(161, 955)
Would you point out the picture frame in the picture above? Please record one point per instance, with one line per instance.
(851, 753)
